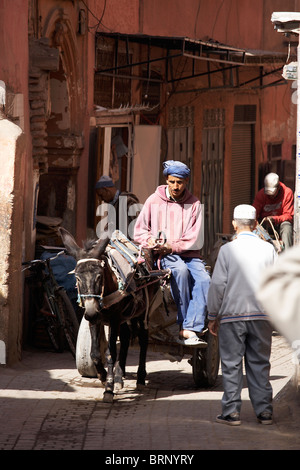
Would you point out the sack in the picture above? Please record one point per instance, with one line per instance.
(127, 261)
(127, 248)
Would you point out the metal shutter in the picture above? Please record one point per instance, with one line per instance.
(241, 165)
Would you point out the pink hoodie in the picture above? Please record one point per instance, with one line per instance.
(181, 222)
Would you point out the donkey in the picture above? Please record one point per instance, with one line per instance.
(105, 304)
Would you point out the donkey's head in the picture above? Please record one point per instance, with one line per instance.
(89, 272)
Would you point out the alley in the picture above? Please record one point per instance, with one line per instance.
(46, 405)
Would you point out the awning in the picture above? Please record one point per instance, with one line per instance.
(195, 49)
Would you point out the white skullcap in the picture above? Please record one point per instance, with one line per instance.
(244, 211)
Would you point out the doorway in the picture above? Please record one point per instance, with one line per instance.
(111, 155)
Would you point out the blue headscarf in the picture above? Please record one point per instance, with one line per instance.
(176, 168)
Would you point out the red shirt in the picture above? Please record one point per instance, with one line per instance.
(280, 207)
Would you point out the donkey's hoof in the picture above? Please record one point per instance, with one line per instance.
(108, 397)
(102, 379)
(140, 387)
(119, 385)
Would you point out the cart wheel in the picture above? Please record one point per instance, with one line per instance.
(205, 362)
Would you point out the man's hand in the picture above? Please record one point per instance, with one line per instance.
(151, 242)
(213, 326)
(162, 250)
(158, 248)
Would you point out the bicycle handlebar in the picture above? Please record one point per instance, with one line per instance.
(33, 262)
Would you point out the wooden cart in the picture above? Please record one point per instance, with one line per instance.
(163, 333)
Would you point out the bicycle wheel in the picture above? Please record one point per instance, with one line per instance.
(68, 319)
(52, 323)
(54, 332)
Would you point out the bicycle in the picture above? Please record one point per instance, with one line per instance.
(53, 306)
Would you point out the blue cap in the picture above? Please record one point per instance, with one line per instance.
(104, 182)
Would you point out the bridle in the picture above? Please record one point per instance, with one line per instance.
(80, 296)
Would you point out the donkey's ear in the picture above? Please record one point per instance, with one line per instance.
(69, 242)
(99, 248)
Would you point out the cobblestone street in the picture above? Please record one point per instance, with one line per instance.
(47, 405)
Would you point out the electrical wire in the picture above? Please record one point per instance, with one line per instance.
(99, 20)
(196, 19)
(219, 9)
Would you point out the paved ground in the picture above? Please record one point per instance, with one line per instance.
(46, 405)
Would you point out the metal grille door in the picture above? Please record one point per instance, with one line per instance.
(212, 185)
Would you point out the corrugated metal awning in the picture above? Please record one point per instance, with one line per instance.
(210, 51)
(196, 49)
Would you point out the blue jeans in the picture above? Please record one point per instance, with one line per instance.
(189, 286)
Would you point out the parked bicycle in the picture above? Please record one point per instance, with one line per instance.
(53, 306)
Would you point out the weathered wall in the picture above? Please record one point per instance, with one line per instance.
(239, 23)
(14, 72)
(16, 236)
(12, 146)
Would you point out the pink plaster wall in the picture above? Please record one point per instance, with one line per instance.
(14, 72)
(116, 15)
(239, 23)
(14, 50)
(15, 156)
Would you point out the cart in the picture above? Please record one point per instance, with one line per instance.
(163, 334)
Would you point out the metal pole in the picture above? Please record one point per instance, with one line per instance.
(297, 182)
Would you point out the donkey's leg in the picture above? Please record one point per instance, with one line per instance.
(125, 334)
(143, 342)
(111, 357)
(121, 363)
(95, 351)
